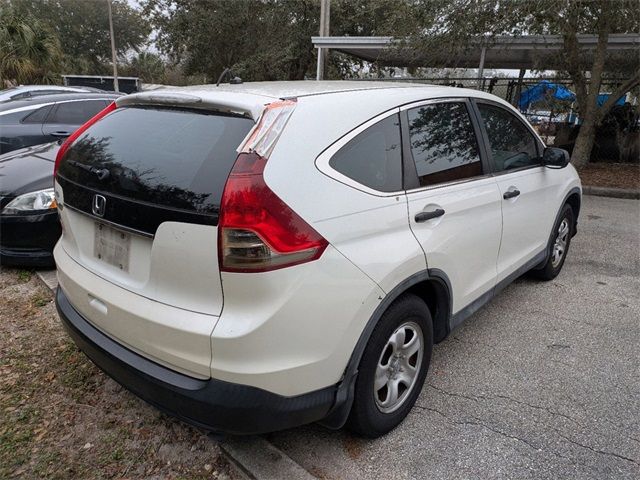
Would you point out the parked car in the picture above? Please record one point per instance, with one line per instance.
(358, 224)
(47, 118)
(29, 224)
(24, 92)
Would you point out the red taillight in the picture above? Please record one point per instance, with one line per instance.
(258, 231)
(65, 146)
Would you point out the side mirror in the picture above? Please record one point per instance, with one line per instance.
(555, 157)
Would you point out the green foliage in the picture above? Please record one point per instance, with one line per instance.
(451, 24)
(29, 51)
(40, 39)
(267, 39)
(149, 67)
(83, 29)
(260, 40)
(24, 275)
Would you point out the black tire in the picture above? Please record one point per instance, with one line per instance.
(550, 270)
(366, 418)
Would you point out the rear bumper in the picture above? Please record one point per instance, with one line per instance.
(212, 404)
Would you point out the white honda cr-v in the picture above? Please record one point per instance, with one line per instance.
(255, 257)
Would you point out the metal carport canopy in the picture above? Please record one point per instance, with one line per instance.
(523, 52)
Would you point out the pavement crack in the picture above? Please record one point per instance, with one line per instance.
(477, 398)
(478, 423)
(596, 450)
(507, 435)
(458, 395)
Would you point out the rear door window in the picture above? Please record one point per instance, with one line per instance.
(77, 112)
(169, 157)
(444, 146)
(373, 157)
(38, 116)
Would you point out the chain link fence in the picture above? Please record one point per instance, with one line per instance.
(558, 121)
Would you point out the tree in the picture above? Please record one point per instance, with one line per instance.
(149, 67)
(82, 27)
(29, 51)
(265, 39)
(259, 40)
(451, 25)
(597, 16)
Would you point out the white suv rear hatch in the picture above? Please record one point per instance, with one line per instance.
(140, 193)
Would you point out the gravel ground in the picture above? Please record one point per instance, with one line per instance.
(61, 418)
(542, 383)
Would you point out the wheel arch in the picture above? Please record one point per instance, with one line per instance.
(574, 199)
(432, 286)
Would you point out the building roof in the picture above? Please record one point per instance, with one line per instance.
(523, 52)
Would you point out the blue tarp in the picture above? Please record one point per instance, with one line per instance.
(539, 91)
(603, 97)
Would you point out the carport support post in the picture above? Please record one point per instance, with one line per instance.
(516, 102)
(113, 50)
(481, 67)
(325, 6)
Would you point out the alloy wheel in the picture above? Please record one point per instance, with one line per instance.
(560, 244)
(398, 367)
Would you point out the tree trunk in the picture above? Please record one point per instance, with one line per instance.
(584, 144)
(587, 97)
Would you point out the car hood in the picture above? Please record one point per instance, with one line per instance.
(27, 170)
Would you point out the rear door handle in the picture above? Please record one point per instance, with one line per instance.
(60, 133)
(511, 194)
(424, 216)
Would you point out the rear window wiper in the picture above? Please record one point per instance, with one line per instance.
(102, 173)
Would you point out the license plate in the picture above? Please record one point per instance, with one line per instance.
(112, 246)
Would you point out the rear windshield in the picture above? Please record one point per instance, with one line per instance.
(176, 158)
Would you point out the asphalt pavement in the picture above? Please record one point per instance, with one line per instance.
(543, 382)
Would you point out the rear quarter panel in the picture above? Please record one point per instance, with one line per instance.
(371, 231)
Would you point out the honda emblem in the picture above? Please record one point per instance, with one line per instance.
(99, 205)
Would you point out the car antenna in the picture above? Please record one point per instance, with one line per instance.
(233, 79)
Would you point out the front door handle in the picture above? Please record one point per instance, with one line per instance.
(424, 216)
(511, 194)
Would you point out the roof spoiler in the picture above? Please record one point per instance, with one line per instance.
(225, 102)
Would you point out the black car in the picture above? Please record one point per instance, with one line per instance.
(29, 224)
(47, 118)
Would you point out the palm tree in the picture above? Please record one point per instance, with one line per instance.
(29, 52)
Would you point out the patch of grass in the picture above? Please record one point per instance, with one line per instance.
(24, 275)
(44, 463)
(76, 373)
(117, 454)
(16, 440)
(40, 299)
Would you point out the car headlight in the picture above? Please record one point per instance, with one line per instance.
(32, 202)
